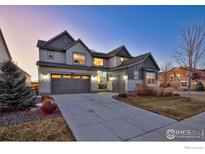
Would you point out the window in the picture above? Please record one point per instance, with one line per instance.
(66, 76)
(183, 83)
(55, 76)
(79, 58)
(178, 76)
(171, 77)
(76, 77)
(122, 59)
(98, 61)
(150, 78)
(51, 55)
(136, 75)
(85, 77)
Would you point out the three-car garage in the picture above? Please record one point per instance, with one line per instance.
(67, 83)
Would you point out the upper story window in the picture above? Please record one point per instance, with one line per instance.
(79, 58)
(122, 59)
(150, 78)
(98, 61)
(51, 55)
(171, 77)
(178, 76)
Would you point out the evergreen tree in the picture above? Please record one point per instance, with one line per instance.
(15, 94)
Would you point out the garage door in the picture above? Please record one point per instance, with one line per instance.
(66, 84)
(119, 84)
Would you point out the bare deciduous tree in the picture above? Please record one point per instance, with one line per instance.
(191, 51)
(166, 67)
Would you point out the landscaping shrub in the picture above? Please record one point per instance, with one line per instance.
(48, 107)
(44, 98)
(200, 86)
(123, 95)
(161, 92)
(15, 94)
(145, 91)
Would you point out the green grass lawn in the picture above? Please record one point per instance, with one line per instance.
(175, 107)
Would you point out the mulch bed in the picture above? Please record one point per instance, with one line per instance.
(17, 117)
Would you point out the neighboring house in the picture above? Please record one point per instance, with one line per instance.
(177, 77)
(5, 55)
(4, 51)
(67, 65)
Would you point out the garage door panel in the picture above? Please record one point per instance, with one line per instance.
(66, 86)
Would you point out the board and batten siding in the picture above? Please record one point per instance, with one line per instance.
(61, 42)
(148, 63)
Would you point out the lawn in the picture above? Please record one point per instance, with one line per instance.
(49, 129)
(175, 107)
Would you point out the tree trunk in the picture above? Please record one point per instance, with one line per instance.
(189, 87)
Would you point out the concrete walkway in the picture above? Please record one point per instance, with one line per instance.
(98, 117)
(198, 95)
(191, 129)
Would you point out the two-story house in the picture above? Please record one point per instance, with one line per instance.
(67, 65)
(178, 77)
(5, 55)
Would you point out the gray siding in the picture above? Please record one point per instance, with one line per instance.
(59, 57)
(61, 42)
(78, 48)
(123, 53)
(148, 63)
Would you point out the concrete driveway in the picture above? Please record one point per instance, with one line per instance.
(98, 117)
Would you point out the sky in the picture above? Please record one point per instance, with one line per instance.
(141, 29)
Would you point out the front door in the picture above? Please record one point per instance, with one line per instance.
(102, 79)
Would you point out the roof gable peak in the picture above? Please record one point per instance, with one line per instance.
(57, 36)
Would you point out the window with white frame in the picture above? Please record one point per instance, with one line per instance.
(150, 78)
(184, 84)
(136, 75)
(51, 55)
(79, 58)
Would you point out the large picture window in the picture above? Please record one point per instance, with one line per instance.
(79, 58)
(150, 78)
(98, 61)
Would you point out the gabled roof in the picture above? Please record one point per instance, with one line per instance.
(138, 59)
(116, 51)
(99, 54)
(44, 44)
(78, 41)
(7, 49)
(57, 36)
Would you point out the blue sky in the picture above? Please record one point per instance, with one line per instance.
(140, 28)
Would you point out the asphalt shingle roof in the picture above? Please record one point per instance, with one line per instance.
(135, 59)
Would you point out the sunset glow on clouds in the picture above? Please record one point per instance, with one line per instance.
(102, 28)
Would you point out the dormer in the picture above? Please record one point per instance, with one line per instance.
(118, 55)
